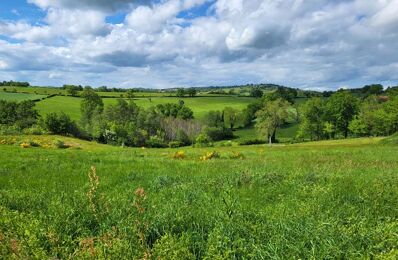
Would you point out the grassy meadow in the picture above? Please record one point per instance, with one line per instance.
(199, 105)
(19, 96)
(319, 200)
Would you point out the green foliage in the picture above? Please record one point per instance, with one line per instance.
(15, 84)
(60, 124)
(341, 108)
(156, 141)
(173, 247)
(272, 115)
(203, 140)
(21, 115)
(191, 92)
(232, 117)
(312, 114)
(218, 133)
(180, 92)
(90, 107)
(60, 144)
(256, 93)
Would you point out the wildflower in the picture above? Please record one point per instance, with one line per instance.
(25, 145)
(209, 156)
(179, 155)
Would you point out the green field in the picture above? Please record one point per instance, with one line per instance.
(18, 96)
(320, 200)
(200, 105)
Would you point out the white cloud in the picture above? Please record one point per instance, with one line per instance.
(307, 43)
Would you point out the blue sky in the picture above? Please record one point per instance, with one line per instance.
(312, 44)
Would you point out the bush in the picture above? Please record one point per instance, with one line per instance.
(175, 144)
(218, 133)
(60, 144)
(251, 142)
(210, 155)
(34, 130)
(179, 155)
(156, 142)
(182, 137)
(203, 140)
(60, 124)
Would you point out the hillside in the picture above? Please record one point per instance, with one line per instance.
(250, 202)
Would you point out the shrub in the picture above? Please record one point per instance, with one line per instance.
(179, 155)
(156, 142)
(25, 145)
(34, 130)
(182, 137)
(60, 124)
(60, 144)
(203, 140)
(218, 133)
(175, 144)
(251, 142)
(210, 155)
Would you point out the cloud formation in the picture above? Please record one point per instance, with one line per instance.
(168, 43)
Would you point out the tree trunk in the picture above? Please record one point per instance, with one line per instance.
(270, 140)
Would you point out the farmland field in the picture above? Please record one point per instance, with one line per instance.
(199, 105)
(330, 199)
(19, 97)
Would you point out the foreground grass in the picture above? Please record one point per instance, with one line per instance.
(318, 200)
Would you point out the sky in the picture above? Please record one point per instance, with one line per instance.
(309, 44)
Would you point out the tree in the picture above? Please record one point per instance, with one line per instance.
(312, 113)
(191, 92)
(70, 90)
(185, 113)
(256, 92)
(21, 114)
(90, 106)
(214, 119)
(271, 116)
(130, 94)
(231, 117)
(341, 108)
(180, 92)
(374, 89)
(249, 113)
(60, 124)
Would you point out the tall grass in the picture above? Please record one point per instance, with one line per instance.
(314, 201)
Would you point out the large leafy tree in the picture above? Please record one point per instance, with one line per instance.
(312, 113)
(231, 117)
(341, 108)
(271, 116)
(91, 106)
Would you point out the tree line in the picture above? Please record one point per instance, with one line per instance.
(14, 84)
(341, 115)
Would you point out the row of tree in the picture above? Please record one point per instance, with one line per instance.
(14, 84)
(343, 114)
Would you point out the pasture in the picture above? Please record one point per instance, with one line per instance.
(330, 199)
(19, 96)
(199, 105)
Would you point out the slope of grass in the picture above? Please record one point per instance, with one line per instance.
(282, 202)
(19, 96)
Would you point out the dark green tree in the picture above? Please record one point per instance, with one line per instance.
(341, 108)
